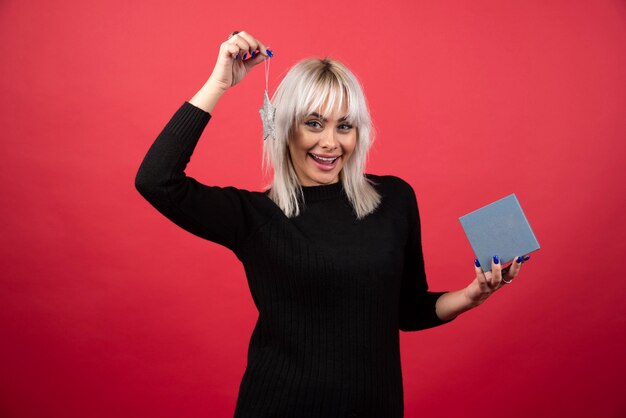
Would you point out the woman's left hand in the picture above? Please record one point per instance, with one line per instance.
(486, 283)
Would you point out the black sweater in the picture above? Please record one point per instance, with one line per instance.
(332, 292)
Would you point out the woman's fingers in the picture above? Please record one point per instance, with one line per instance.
(229, 48)
(255, 44)
(480, 276)
(496, 272)
(514, 268)
(254, 53)
(252, 45)
(241, 45)
(252, 61)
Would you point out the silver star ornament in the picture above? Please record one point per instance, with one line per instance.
(268, 112)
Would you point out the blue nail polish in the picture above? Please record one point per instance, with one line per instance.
(253, 54)
(496, 260)
(245, 55)
(476, 262)
(269, 52)
(519, 259)
(526, 258)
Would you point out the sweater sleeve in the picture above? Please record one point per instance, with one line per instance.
(417, 303)
(219, 214)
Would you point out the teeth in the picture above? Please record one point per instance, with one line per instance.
(324, 158)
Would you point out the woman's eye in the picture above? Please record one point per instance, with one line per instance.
(316, 124)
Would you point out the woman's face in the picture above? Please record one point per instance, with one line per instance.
(320, 148)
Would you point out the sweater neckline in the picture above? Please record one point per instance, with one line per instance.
(322, 191)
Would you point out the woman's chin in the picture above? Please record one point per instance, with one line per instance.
(324, 178)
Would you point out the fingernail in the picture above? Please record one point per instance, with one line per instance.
(236, 57)
(476, 263)
(496, 260)
(245, 55)
(269, 52)
(253, 54)
(519, 259)
(526, 258)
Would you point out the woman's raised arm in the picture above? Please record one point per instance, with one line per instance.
(225, 215)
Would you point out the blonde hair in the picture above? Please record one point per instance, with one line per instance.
(307, 85)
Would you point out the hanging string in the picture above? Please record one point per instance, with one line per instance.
(266, 63)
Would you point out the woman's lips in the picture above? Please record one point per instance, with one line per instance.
(325, 166)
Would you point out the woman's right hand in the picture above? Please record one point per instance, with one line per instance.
(229, 71)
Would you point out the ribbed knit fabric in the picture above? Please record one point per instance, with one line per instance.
(332, 292)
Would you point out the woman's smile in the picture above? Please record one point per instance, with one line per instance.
(324, 163)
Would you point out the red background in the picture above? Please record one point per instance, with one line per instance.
(110, 310)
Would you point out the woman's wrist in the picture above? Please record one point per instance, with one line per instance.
(452, 304)
(208, 96)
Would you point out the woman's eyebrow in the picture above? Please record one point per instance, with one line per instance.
(317, 115)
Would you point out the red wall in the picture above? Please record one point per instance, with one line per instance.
(109, 310)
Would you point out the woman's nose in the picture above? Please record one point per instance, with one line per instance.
(328, 140)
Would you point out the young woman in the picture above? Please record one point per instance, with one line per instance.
(332, 254)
